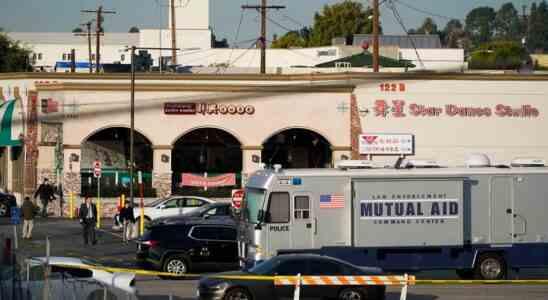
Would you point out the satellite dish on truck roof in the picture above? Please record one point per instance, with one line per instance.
(477, 160)
(528, 162)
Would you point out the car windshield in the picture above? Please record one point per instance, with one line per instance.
(154, 203)
(265, 268)
(253, 202)
(90, 262)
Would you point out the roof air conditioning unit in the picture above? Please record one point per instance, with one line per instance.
(528, 162)
(354, 164)
(421, 163)
(477, 160)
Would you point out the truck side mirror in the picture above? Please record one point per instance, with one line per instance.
(260, 215)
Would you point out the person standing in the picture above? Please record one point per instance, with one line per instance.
(88, 219)
(45, 190)
(128, 220)
(28, 218)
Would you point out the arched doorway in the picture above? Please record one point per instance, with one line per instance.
(297, 148)
(206, 153)
(111, 146)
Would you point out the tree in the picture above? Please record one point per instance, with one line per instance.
(340, 20)
(480, 24)
(291, 39)
(454, 36)
(134, 29)
(428, 27)
(507, 23)
(537, 36)
(77, 30)
(13, 57)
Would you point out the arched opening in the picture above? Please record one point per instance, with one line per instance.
(111, 146)
(206, 153)
(297, 148)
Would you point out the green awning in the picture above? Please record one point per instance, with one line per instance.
(12, 124)
(365, 59)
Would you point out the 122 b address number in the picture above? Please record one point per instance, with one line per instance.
(392, 87)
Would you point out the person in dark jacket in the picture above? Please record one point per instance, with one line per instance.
(28, 218)
(88, 219)
(45, 190)
(128, 220)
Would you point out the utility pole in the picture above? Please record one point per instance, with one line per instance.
(375, 35)
(262, 9)
(98, 32)
(173, 35)
(88, 34)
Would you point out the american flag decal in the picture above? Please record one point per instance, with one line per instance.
(331, 201)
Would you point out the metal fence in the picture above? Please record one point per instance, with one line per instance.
(22, 279)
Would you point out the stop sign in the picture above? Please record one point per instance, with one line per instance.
(237, 197)
(97, 169)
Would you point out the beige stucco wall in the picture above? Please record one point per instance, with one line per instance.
(449, 139)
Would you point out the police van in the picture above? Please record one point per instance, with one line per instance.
(479, 220)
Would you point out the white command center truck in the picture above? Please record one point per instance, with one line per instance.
(479, 221)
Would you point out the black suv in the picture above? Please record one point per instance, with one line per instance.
(205, 245)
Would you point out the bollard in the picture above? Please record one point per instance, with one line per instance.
(123, 200)
(7, 251)
(71, 206)
(99, 213)
(142, 220)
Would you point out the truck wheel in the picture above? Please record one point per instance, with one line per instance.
(3, 210)
(490, 266)
(175, 264)
(352, 294)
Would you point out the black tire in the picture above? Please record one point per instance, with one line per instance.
(4, 210)
(237, 294)
(99, 295)
(465, 274)
(176, 264)
(352, 293)
(490, 266)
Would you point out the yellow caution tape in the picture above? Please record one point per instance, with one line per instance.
(411, 279)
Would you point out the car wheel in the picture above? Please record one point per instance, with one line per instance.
(175, 264)
(237, 294)
(100, 295)
(352, 294)
(3, 210)
(490, 266)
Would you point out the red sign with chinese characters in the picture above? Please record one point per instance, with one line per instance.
(400, 109)
(387, 144)
(189, 179)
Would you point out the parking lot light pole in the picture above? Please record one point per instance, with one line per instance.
(132, 116)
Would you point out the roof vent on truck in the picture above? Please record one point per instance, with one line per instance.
(477, 160)
(528, 162)
(354, 164)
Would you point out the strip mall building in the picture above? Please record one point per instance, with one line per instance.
(224, 127)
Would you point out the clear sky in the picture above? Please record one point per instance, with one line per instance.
(64, 15)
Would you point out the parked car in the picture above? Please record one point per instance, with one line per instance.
(7, 201)
(212, 288)
(201, 245)
(71, 278)
(172, 206)
(220, 210)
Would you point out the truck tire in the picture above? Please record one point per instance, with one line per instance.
(176, 264)
(490, 266)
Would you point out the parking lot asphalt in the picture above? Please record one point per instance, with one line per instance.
(66, 240)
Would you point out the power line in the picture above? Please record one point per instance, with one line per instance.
(427, 12)
(400, 21)
(235, 38)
